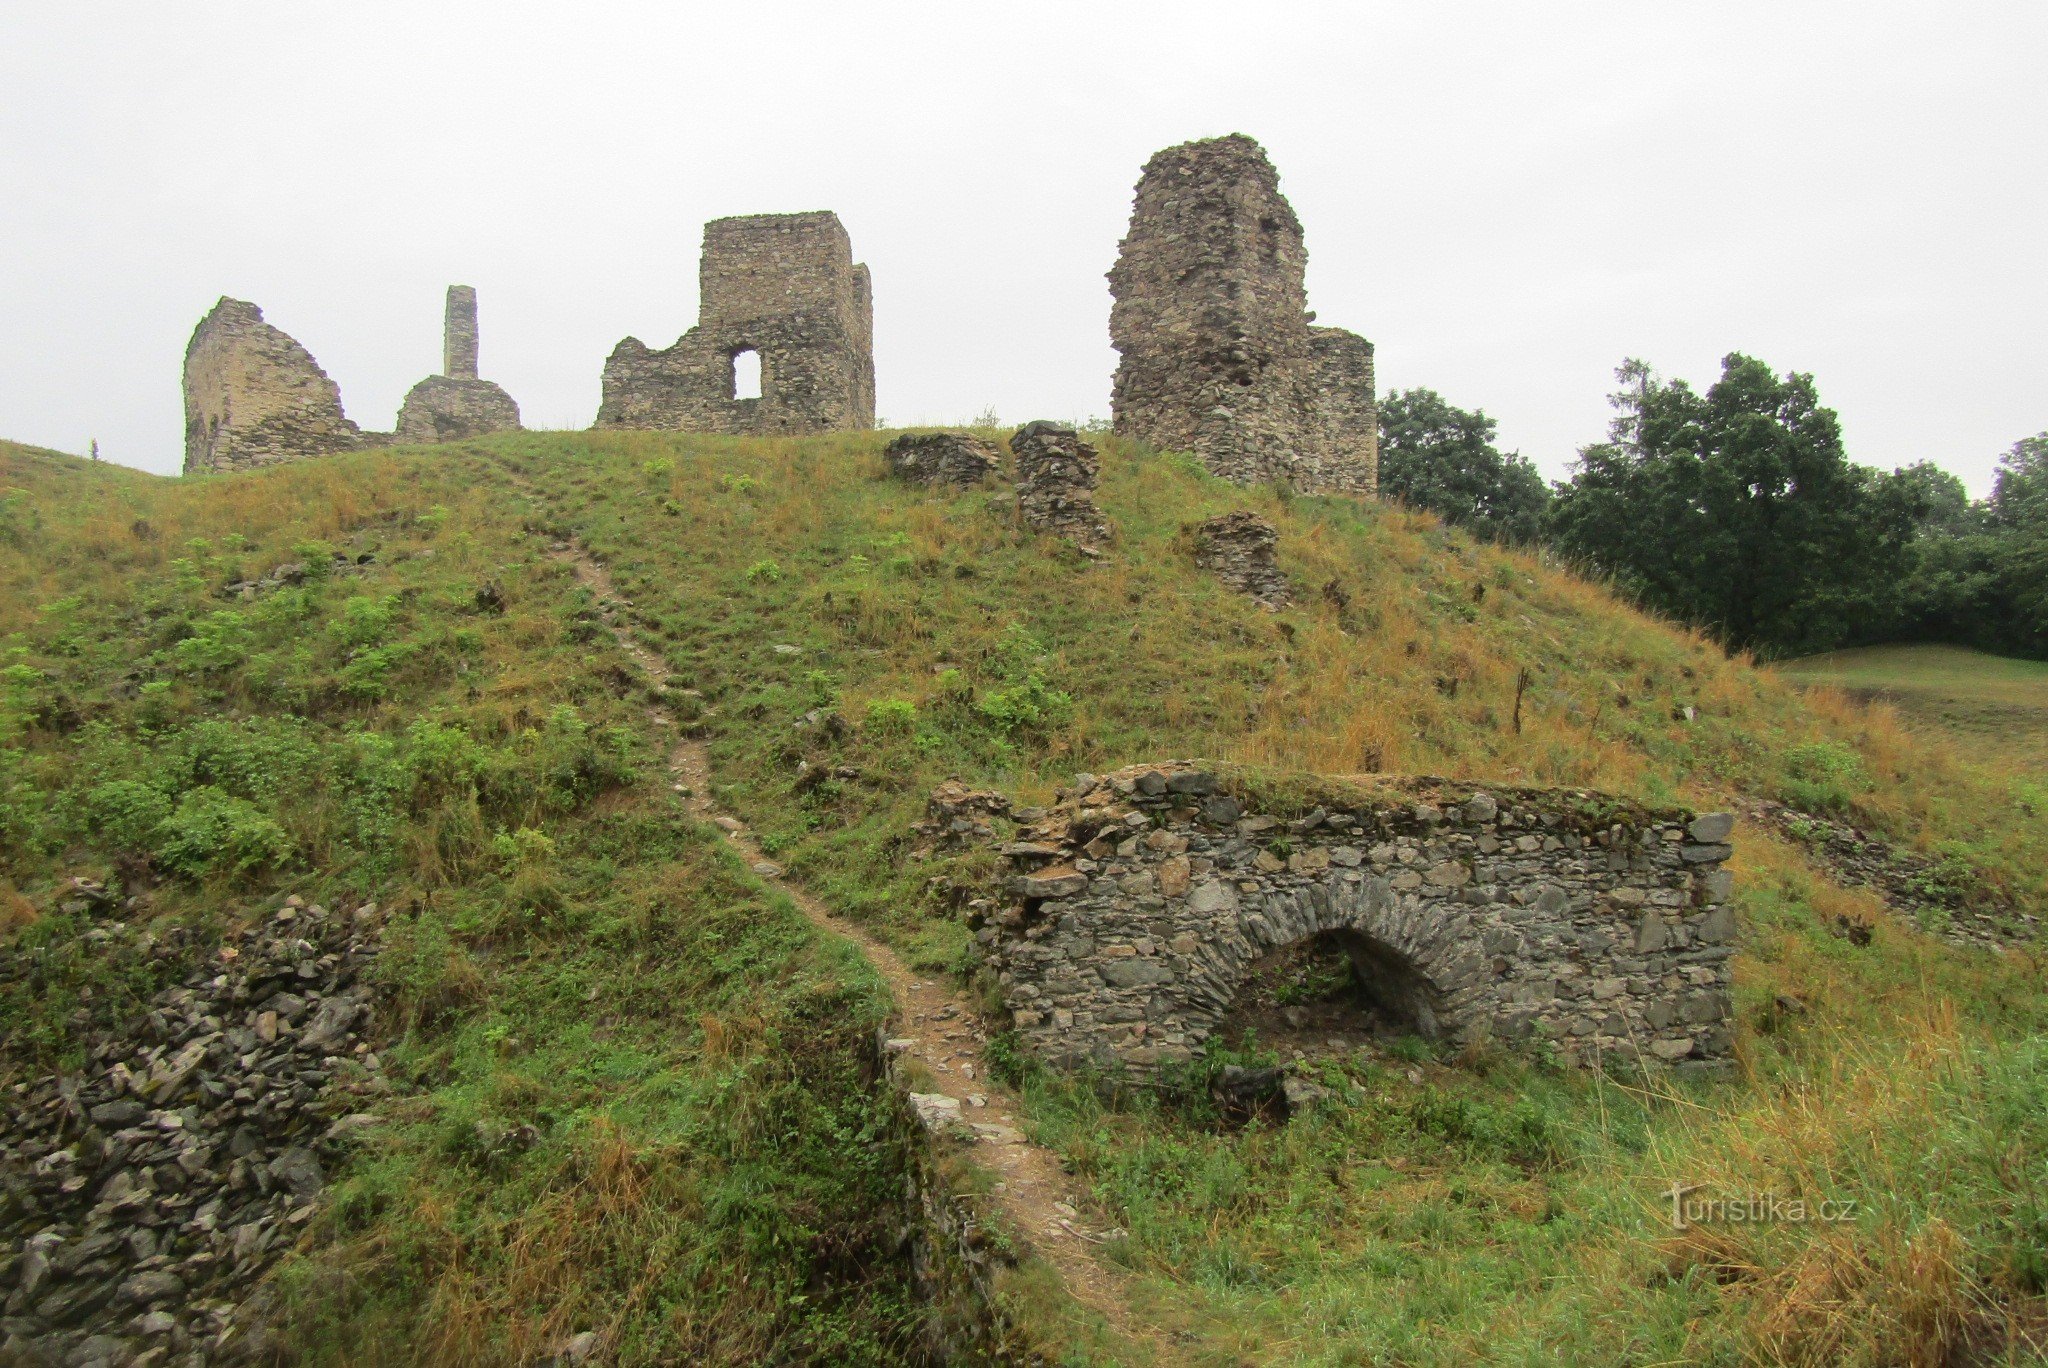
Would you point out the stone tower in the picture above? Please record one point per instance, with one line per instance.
(254, 397)
(784, 287)
(456, 405)
(1217, 353)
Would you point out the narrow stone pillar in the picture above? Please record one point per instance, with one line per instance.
(458, 346)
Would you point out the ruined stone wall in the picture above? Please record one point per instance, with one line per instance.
(1241, 549)
(1056, 474)
(455, 405)
(1211, 323)
(1136, 906)
(458, 333)
(784, 286)
(254, 397)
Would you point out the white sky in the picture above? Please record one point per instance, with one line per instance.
(1507, 198)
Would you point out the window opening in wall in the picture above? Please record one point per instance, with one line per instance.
(746, 374)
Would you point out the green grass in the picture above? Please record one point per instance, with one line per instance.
(1995, 705)
(1496, 1210)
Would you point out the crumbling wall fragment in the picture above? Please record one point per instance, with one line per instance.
(254, 397)
(1210, 320)
(456, 405)
(1238, 548)
(785, 287)
(941, 458)
(1056, 473)
(1137, 904)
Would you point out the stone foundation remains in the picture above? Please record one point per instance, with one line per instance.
(1210, 318)
(942, 458)
(784, 286)
(254, 397)
(1136, 906)
(1238, 548)
(456, 405)
(1056, 473)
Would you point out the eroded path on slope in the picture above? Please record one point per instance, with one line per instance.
(937, 1027)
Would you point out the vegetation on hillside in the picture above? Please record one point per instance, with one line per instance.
(700, 1174)
(631, 1081)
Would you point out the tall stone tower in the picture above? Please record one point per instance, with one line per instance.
(1210, 319)
(784, 287)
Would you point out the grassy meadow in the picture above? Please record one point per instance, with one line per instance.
(700, 1178)
(1995, 707)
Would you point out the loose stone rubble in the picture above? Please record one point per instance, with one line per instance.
(1211, 320)
(455, 405)
(784, 286)
(1911, 884)
(1056, 473)
(143, 1197)
(942, 458)
(1136, 906)
(254, 397)
(1238, 548)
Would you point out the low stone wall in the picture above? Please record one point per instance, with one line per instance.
(942, 458)
(1239, 549)
(1135, 907)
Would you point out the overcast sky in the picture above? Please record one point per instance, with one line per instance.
(1508, 199)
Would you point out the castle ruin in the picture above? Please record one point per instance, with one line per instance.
(784, 287)
(254, 397)
(456, 405)
(1218, 355)
(1138, 905)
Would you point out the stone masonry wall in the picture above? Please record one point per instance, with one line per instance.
(1240, 549)
(1138, 903)
(784, 286)
(1056, 473)
(1211, 321)
(455, 405)
(254, 397)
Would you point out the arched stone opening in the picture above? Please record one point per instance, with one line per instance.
(1333, 989)
(746, 373)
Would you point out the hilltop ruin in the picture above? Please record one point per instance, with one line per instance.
(784, 287)
(455, 404)
(1218, 357)
(255, 397)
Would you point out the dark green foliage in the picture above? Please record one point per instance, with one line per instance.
(1981, 577)
(1739, 511)
(1437, 456)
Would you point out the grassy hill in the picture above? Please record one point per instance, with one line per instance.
(447, 727)
(1994, 706)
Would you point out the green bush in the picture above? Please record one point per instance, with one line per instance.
(215, 832)
(1825, 775)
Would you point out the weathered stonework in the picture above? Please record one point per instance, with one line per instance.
(1211, 321)
(942, 458)
(456, 405)
(1238, 548)
(1056, 473)
(254, 397)
(784, 286)
(1136, 906)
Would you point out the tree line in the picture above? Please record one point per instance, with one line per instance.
(1738, 510)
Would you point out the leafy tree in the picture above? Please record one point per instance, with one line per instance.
(1437, 456)
(1737, 509)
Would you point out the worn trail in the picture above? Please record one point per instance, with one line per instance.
(937, 1027)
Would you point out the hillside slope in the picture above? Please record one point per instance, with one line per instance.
(447, 729)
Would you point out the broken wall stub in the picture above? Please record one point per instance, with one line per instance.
(942, 458)
(785, 287)
(1056, 474)
(255, 397)
(1135, 907)
(1210, 320)
(455, 405)
(1240, 549)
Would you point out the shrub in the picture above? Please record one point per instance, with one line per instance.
(764, 571)
(211, 831)
(218, 641)
(892, 717)
(1825, 775)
